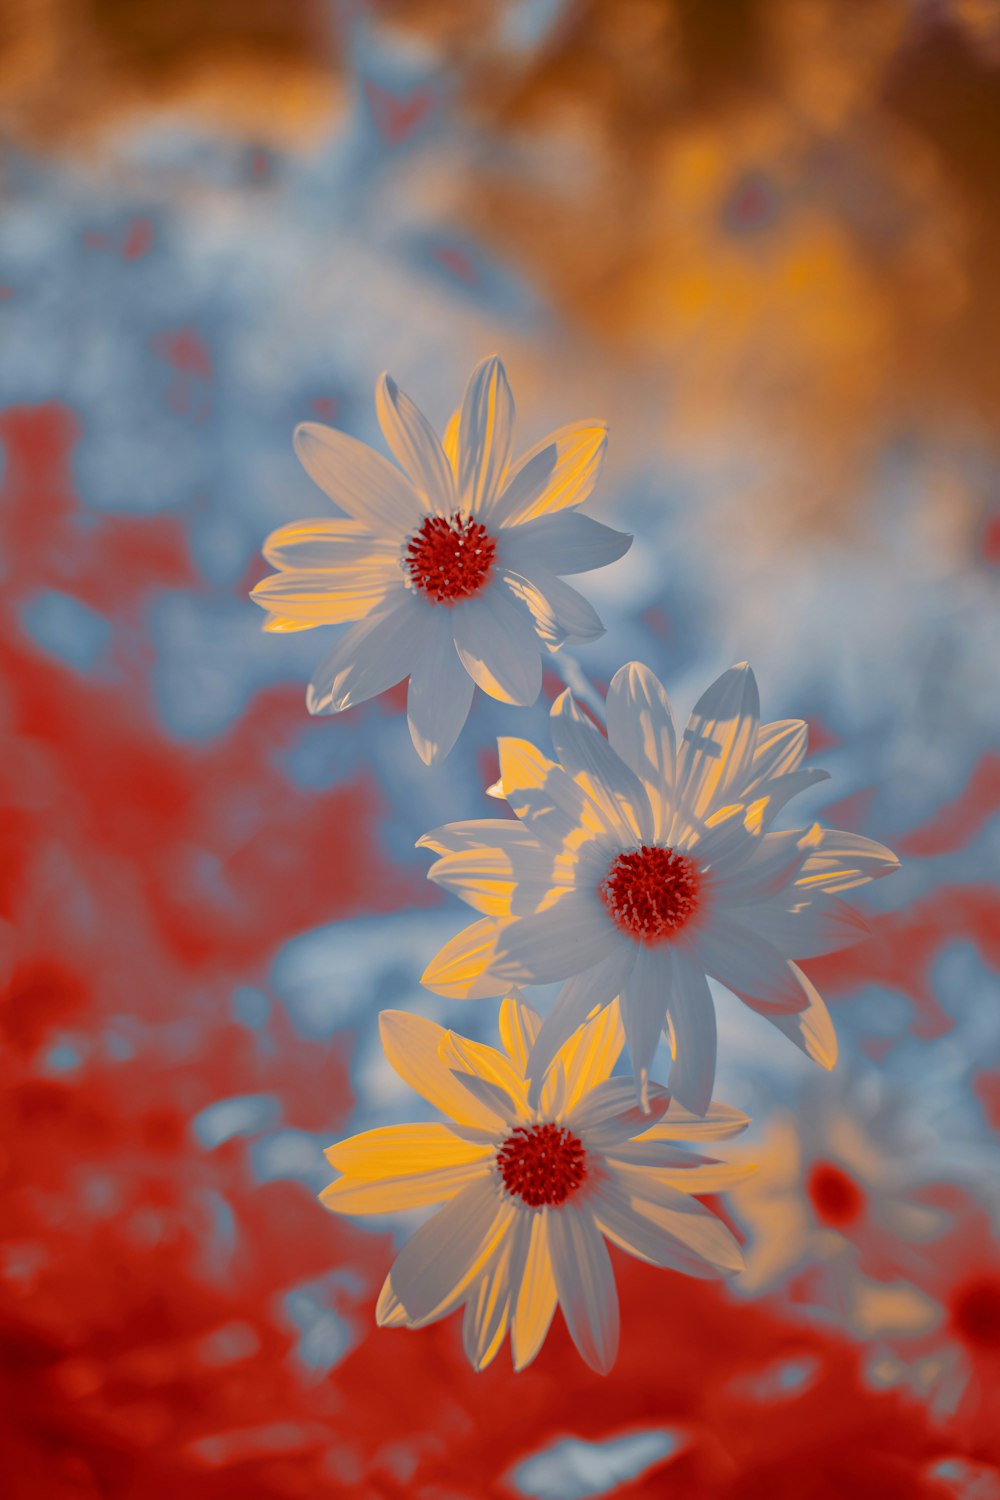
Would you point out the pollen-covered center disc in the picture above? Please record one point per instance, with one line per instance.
(652, 892)
(542, 1164)
(449, 558)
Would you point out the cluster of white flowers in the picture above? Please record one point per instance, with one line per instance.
(636, 867)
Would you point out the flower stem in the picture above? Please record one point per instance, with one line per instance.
(579, 684)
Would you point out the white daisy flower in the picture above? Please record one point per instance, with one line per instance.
(531, 1192)
(638, 867)
(449, 564)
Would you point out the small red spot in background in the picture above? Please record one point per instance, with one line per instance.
(138, 239)
(457, 262)
(989, 545)
(656, 621)
(397, 116)
(836, 1198)
(325, 407)
(975, 1313)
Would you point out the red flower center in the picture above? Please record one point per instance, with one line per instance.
(542, 1164)
(450, 558)
(836, 1198)
(651, 892)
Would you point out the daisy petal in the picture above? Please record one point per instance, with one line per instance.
(585, 1285)
(487, 1310)
(484, 435)
(415, 446)
(547, 800)
(462, 970)
(325, 544)
(519, 1028)
(687, 1220)
(693, 1036)
(559, 612)
(838, 861)
(394, 1151)
(389, 1195)
(563, 543)
(501, 883)
(554, 944)
(328, 596)
(767, 798)
(781, 747)
(604, 776)
(748, 965)
(641, 731)
(772, 861)
(412, 1045)
(586, 1060)
(496, 640)
(445, 1255)
(718, 744)
(373, 655)
(449, 441)
(359, 480)
(579, 996)
(571, 474)
(623, 1220)
(440, 694)
(718, 1123)
(475, 833)
(643, 1009)
(488, 1065)
(823, 924)
(536, 1298)
(609, 1113)
(811, 1029)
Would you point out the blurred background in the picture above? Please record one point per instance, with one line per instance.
(760, 239)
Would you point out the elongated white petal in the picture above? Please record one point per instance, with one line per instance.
(327, 596)
(748, 965)
(564, 543)
(415, 446)
(819, 924)
(487, 1310)
(359, 480)
(560, 613)
(401, 1150)
(569, 937)
(765, 799)
(718, 1123)
(773, 862)
(641, 730)
(536, 1296)
(643, 1009)
(838, 861)
(693, 1035)
(478, 833)
(462, 969)
(623, 1220)
(388, 1195)
(488, 1064)
(370, 657)
(519, 1028)
(683, 1217)
(604, 776)
(558, 479)
(548, 801)
(596, 986)
(781, 747)
(585, 1285)
(717, 746)
(498, 646)
(502, 882)
(412, 1045)
(326, 543)
(445, 1255)
(440, 693)
(609, 1113)
(484, 436)
(585, 1061)
(810, 1029)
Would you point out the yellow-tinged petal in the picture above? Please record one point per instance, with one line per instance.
(401, 1150)
(461, 1054)
(389, 1311)
(811, 1028)
(461, 969)
(390, 1195)
(413, 1046)
(680, 1124)
(577, 456)
(450, 440)
(519, 1028)
(588, 1057)
(281, 625)
(536, 1298)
